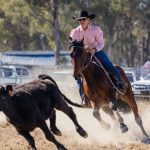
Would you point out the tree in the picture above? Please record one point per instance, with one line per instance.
(46, 24)
(56, 31)
(19, 29)
(50, 7)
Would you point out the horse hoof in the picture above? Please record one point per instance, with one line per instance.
(123, 128)
(146, 140)
(82, 132)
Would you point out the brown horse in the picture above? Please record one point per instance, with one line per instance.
(99, 89)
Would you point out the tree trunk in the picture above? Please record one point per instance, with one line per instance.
(133, 51)
(56, 32)
(127, 55)
(109, 49)
(145, 44)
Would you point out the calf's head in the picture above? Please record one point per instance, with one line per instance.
(5, 92)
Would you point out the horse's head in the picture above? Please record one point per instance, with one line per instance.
(79, 56)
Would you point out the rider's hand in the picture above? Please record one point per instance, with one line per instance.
(92, 51)
(87, 48)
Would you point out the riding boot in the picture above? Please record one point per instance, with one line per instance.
(85, 100)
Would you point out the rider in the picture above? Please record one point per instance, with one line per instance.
(94, 44)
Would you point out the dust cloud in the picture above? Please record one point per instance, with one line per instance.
(98, 139)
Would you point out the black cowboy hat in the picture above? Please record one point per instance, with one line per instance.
(84, 14)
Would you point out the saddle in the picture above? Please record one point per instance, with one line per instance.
(119, 86)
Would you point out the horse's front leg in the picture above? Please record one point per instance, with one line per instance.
(123, 126)
(118, 117)
(97, 115)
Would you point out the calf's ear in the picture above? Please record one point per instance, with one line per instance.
(2, 90)
(9, 90)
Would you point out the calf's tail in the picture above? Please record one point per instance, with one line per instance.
(44, 77)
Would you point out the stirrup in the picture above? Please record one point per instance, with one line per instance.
(86, 102)
(113, 106)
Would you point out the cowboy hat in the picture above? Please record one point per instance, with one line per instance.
(84, 14)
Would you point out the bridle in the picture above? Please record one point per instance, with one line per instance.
(83, 66)
(97, 63)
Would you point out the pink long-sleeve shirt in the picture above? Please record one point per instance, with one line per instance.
(93, 36)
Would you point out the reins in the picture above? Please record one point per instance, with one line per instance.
(101, 66)
(98, 63)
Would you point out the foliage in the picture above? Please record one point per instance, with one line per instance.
(28, 25)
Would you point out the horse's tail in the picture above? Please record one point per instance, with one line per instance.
(123, 106)
(123, 75)
(44, 77)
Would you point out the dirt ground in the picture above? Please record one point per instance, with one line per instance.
(98, 139)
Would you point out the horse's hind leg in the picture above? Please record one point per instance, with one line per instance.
(138, 120)
(123, 127)
(131, 102)
(53, 127)
(103, 124)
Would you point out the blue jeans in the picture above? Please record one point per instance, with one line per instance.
(107, 64)
(79, 83)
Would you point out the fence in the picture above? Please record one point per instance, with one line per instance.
(40, 58)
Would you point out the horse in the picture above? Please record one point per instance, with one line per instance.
(99, 87)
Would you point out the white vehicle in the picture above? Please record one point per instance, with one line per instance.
(131, 76)
(14, 74)
(142, 87)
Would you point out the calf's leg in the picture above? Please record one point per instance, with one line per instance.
(53, 127)
(28, 137)
(49, 136)
(62, 106)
